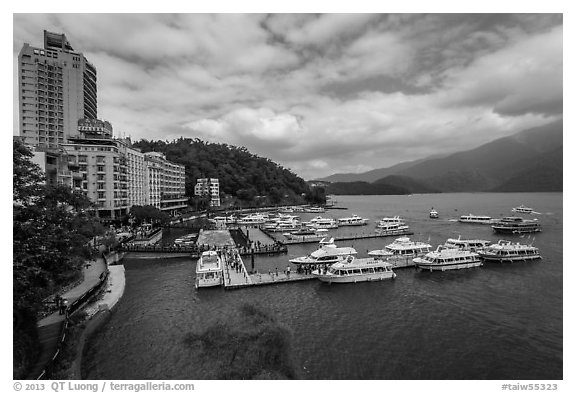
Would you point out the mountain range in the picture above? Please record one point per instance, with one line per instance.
(528, 161)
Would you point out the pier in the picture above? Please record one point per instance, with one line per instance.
(237, 278)
(345, 237)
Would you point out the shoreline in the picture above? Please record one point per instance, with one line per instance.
(98, 314)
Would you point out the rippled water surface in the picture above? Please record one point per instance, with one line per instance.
(501, 321)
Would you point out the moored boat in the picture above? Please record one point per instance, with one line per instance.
(186, 240)
(209, 272)
(390, 220)
(402, 251)
(467, 244)
(314, 209)
(327, 254)
(306, 234)
(448, 259)
(352, 221)
(393, 229)
(322, 223)
(505, 250)
(253, 219)
(353, 270)
(516, 225)
(473, 219)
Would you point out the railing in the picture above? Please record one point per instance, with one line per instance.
(74, 307)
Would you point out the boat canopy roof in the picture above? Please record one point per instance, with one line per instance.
(331, 249)
(357, 263)
(405, 242)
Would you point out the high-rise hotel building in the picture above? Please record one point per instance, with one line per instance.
(57, 87)
(58, 118)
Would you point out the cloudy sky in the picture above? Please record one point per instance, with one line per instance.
(319, 94)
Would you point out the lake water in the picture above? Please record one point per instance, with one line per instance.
(500, 321)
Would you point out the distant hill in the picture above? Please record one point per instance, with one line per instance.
(373, 175)
(528, 161)
(493, 164)
(364, 188)
(545, 175)
(413, 186)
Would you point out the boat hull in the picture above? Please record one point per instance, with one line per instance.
(444, 267)
(329, 278)
(509, 258)
(514, 231)
(206, 283)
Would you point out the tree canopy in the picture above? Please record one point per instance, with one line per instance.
(52, 226)
(241, 174)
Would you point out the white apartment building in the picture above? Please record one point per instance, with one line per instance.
(208, 186)
(137, 175)
(166, 181)
(100, 171)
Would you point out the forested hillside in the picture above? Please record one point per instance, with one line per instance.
(241, 173)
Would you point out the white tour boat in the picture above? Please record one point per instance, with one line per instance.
(286, 226)
(352, 221)
(306, 234)
(322, 223)
(393, 229)
(508, 251)
(253, 219)
(283, 223)
(209, 272)
(524, 210)
(314, 209)
(474, 245)
(402, 251)
(448, 259)
(187, 240)
(390, 220)
(356, 270)
(223, 220)
(472, 219)
(328, 253)
(433, 213)
(516, 225)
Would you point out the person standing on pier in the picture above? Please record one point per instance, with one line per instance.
(288, 271)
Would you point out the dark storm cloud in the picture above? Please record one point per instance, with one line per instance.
(319, 93)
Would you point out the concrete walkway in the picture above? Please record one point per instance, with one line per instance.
(91, 277)
(113, 293)
(49, 328)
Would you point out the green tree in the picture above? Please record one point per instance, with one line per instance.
(52, 226)
(148, 214)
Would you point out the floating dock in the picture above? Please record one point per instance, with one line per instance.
(346, 237)
(240, 278)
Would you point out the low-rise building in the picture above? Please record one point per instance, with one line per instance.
(208, 187)
(166, 181)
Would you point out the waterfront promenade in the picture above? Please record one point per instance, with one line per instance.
(50, 327)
